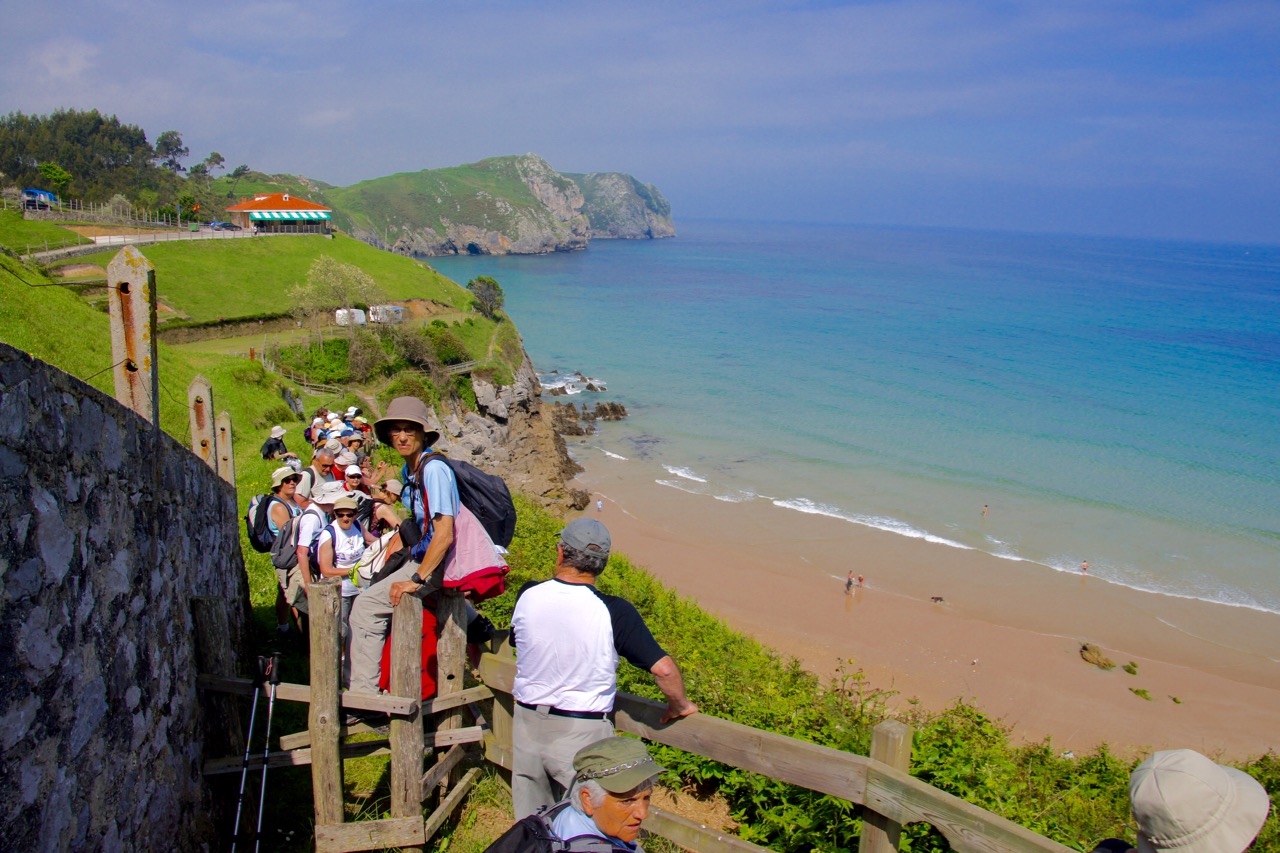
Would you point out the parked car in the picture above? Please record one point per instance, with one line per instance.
(224, 226)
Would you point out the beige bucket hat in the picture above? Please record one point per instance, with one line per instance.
(407, 409)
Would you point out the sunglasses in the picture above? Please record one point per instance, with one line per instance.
(344, 513)
(294, 480)
(355, 476)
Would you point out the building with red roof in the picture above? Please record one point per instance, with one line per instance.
(281, 212)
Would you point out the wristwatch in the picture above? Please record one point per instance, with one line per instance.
(419, 581)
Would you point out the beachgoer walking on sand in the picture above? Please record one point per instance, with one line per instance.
(860, 579)
(985, 510)
(848, 583)
(1084, 567)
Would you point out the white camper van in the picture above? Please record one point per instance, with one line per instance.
(349, 317)
(389, 315)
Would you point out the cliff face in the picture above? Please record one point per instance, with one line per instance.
(504, 205)
(511, 435)
(618, 206)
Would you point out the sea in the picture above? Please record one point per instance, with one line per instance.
(1114, 401)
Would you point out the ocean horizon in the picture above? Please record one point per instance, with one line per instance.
(1109, 400)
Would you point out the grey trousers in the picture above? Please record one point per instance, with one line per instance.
(369, 625)
(542, 771)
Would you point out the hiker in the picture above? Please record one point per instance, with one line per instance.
(569, 636)
(409, 428)
(353, 481)
(612, 787)
(1183, 801)
(339, 547)
(310, 524)
(284, 484)
(273, 447)
(319, 471)
(382, 514)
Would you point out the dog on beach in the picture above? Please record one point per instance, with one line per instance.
(937, 599)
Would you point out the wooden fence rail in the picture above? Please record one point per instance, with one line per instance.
(882, 790)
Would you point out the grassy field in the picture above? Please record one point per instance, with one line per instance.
(18, 233)
(224, 279)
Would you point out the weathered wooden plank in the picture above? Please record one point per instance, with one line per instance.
(302, 757)
(287, 692)
(295, 758)
(131, 304)
(451, 655)
(407, 741)
(439, 771)
(200, 414)
(808, 765)
(451, 802)
(303, 738)
(694, 836)
(325, 721)
(967, 827)
(226, 448)
(370, 835)
(501, 754)
(890, 744)
(498, 747)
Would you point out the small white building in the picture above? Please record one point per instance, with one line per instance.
(389, 315)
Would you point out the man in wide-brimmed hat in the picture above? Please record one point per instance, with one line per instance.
(431, 494)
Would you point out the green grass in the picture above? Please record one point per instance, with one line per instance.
(223, 279)
(17, 233)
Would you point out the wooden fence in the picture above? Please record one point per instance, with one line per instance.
(880, 784)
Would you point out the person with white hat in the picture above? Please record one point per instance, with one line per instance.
(273, 447)
(1182, 801)
(310, 524)
(339, 548)
(284, 484)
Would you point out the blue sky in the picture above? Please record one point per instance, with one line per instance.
(1127, 118)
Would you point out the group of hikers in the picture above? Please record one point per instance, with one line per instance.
(575, 784)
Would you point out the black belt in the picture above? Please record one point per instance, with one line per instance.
(559, 712)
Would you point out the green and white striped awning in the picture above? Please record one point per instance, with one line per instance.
(289, 215)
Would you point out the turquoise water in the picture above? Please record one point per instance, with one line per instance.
(1113, 401)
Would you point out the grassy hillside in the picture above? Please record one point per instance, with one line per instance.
(18, 233)
(484, 194)
(213, 279)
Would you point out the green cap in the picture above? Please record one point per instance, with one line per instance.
(617, 764)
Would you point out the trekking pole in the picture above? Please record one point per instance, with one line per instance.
(273, 676)
(248, 741)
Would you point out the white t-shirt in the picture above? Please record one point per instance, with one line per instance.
(347, 551)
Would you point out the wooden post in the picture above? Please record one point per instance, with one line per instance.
(226, 451)
(407, 743)
(324, 603)
(891, 745)
(200, 409)
(498, 746)
(451, 652)
(131, 298)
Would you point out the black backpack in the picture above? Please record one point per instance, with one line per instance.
(486, 495)
(533, 834)
(256, 523)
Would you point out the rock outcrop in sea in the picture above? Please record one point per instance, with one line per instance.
(618, 206)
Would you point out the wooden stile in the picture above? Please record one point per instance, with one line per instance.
(406, 732)
(890, 744)
(324, 604)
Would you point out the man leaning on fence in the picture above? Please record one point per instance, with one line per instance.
(569, 636)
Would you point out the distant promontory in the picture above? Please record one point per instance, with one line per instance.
(498, 206)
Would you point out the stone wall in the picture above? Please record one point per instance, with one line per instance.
(101, 737)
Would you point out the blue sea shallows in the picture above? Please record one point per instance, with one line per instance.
(1114, 401)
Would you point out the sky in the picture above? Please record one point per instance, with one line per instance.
(1151, 119)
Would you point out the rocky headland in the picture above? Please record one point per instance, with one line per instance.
(502, 205)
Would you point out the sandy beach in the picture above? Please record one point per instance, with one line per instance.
(1005, 637)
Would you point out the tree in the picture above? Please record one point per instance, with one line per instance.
(214, 161)
(170, 151)
(56, 176)
(332, 284)
(488, 295)
(235, 175)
